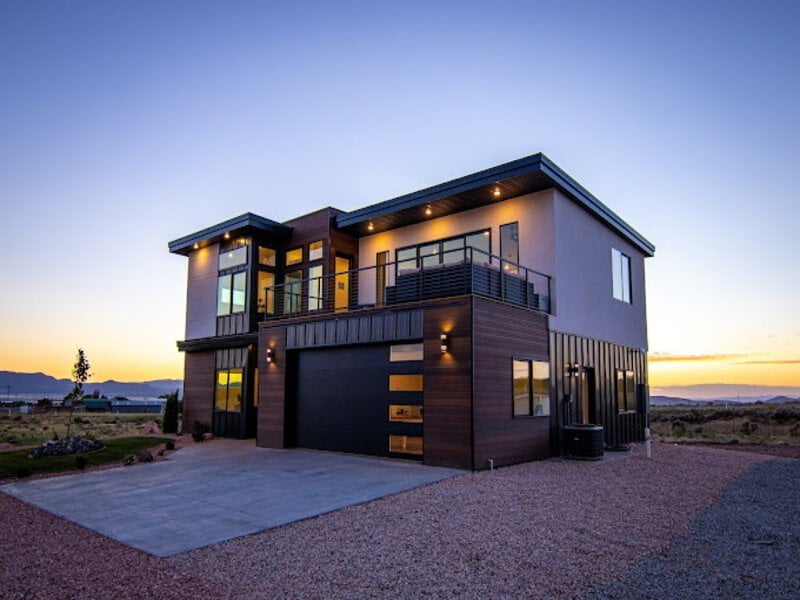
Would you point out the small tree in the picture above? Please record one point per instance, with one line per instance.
(80, 375)
(170, 424)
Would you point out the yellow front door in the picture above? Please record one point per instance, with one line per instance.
(341, 296)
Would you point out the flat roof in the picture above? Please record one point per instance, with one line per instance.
(248, 222)
(516, 178)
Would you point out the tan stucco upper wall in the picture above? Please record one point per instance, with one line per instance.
(201, 293)
(533, 212)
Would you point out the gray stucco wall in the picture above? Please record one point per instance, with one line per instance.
(201, 293)
(583, 294)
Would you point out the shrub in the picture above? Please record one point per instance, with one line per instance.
(794, 430)
(170, 445)
(678, 428)
(748, 428)
(22, 472)
(81, 462)
(199, 430)
(170, 424)
(129, 459)
(698, 430)
(55, 436)
(145, 456)
(734, 440)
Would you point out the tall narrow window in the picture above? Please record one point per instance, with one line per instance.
(621, 275)
(266, 292)
(315, 250)
(224, 295)
(509, 247)
(315, 287)
(626, 391)
(381, 258)
(228, 391)
(481, 244)
(239, 296)
(531, 388)
(293, 287)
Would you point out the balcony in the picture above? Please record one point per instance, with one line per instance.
(441, 275)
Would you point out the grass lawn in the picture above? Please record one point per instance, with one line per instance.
(29, 430)
(114, 450)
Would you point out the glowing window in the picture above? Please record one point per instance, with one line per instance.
(315, 250)
(405, 383)
(405, 413)
(405, 444)
(403, 352)
(294, 256)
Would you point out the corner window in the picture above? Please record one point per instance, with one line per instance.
(233, 258)
(315, 251)
(266, 256)
(315, 282)
(509, 247)
(626, 391)
(228, 392)
(294, 256)
(531, 388)
(621, 275)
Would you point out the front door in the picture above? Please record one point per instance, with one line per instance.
(341, 295)
(587, 405)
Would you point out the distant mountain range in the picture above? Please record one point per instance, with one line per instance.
(40, 384)
(673, 401)
(730, 392)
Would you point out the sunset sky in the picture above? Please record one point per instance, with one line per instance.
(124, 125)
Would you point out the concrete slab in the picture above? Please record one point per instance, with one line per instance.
(209, 493)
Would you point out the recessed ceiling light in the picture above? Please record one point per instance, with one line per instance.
(196, 246)
(496, 191)
(227, 235)
(428, 211)
(370, 227)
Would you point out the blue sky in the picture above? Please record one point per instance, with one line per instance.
(126, 124)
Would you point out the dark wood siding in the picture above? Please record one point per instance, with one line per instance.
(198, 388)
(369, 328)
(272, 388)
(501, 333)
(605, 358)
(447, 381)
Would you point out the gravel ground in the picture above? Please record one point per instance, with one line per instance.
(46, 557)
(539, 530)
(785, 450)
(745, 546)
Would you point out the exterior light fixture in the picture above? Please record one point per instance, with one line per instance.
(270, 357)
(196, 246)
(496, 192)
(428, 211)
(370, 227)
(443, 343)
(573, 370)
(227, 235)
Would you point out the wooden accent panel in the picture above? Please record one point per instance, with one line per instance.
(501, 333)
(447, 396)
(383, 327)
(605, 358)
(198, 388)
(271, 431)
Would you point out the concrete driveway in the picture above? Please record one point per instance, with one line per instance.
(208, 493)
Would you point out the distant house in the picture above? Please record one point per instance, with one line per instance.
(464, 322)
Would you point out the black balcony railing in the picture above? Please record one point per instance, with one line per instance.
(451, 273)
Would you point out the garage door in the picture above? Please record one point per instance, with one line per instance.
(362, 399)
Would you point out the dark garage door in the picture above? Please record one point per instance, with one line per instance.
(342, 399)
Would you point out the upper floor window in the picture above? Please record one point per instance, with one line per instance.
(231, 293)
(509, 246)
(626, 391)
(315, 250)
(266, 256)
(233, 258)
(294, 256)
(446, 251)
(315, 282)
(621, 275)
(531, 388)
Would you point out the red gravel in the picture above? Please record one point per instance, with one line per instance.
(45, 557)
(539, 530)
(550, 529)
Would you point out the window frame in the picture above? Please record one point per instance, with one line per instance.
(286, 262)
(624, 275)
(621, 391)
(228, 372)
(316, 303)
(439, 254)
(514, 268)
(321, 250)
(531, 389)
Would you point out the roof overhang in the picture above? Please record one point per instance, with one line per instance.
(241, 225)
(517, 178)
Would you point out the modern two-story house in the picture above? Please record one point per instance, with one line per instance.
(460, 324)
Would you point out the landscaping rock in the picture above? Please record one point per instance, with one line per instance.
(145, 456)
(208, 436)
(65, 447)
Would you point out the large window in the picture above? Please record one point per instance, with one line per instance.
(231, 293)
(292, 291)
(228, 392)
(626, 391)
(621, 275)
(446, 251)
(531, 385)
(266, 297)
(315, 282)
(233, 258)
(509, 246)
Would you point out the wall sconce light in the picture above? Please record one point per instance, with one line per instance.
(370, 227)
(443, 343)
(270, 356)
(573, 370)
